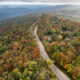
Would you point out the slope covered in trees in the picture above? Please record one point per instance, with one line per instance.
(19, 53)
(61, 39)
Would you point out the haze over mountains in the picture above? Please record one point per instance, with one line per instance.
(68, 11)
(13, 11)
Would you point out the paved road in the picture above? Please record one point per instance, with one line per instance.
(45, 56)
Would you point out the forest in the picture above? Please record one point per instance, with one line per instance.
(20, 57)
(61, 39)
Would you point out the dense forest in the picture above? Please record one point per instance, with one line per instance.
(20, 57)
(61, 39)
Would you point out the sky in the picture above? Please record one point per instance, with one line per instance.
(48, 2)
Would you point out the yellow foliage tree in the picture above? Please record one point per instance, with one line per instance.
(60, 37)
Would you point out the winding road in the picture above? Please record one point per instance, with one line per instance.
(45, 56)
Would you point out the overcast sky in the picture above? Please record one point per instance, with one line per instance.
(54, 1)
(39, 2)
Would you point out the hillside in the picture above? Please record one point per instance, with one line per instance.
(66, 11)
(61, 39)
(20, 57)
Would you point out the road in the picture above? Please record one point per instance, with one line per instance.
(53, 67)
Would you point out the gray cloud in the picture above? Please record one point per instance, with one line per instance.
(53, 1)
(48, 1)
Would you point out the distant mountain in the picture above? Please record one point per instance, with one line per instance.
(67, 11)
(13, 11)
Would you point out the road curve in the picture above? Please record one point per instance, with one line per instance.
(45, 56)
